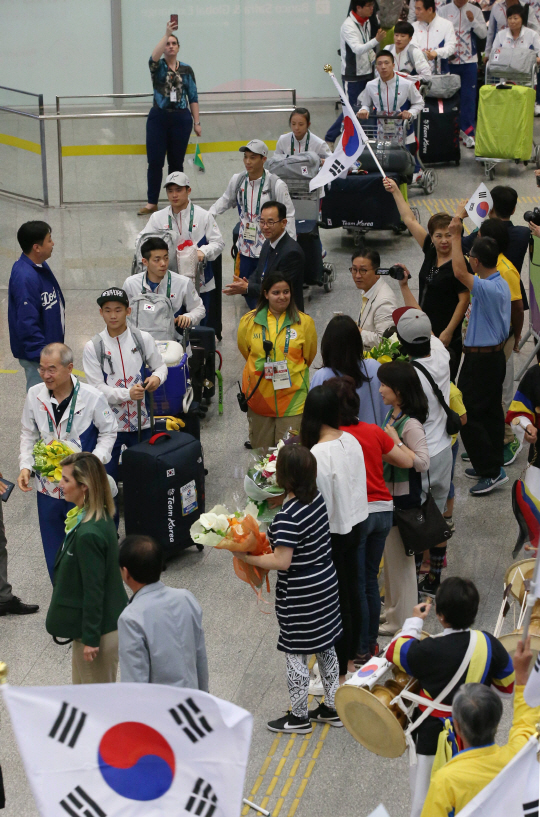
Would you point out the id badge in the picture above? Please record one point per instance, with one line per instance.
(268, 371)
(282, 378)
(172, 95)
(250, 232)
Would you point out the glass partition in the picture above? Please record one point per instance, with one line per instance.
(102, 142)
(23, 168)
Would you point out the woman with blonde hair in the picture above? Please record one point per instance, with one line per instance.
(88, 592)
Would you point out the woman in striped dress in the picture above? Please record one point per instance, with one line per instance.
(307, 602)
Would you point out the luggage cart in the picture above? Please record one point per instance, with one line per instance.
(502, 78)
(297, 175)
(381, 130)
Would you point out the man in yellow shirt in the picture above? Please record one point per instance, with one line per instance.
(476, 712)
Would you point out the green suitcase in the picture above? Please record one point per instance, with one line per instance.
(504, 129)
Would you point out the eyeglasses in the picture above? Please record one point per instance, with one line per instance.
(49, 370)
(360, 269)
(270, 223)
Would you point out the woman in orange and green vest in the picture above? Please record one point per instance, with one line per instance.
(275, 380)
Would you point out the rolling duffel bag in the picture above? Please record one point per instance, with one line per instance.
(504, 128)
(438, 130)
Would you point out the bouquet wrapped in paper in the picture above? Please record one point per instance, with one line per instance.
(47, 458)
(237, 532)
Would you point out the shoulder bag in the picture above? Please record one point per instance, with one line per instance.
(453, 421)
(423, 527)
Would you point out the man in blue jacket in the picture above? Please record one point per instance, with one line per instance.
(36, 303)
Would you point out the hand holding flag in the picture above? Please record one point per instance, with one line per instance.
(479, 205)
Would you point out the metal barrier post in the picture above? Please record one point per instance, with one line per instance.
(59, 141)
(43, 152)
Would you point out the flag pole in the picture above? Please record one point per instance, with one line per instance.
(532, 596)
(365, 140)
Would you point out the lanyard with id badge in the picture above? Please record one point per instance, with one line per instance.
(251, 228)
(278, 370)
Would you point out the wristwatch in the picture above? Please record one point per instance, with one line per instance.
(196, 123)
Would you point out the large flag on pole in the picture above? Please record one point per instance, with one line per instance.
(515, 790)
(113, 750)
(352, 143)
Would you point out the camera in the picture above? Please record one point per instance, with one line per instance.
(397, 273)
(533, 215)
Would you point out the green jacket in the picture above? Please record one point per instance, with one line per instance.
(88, 592)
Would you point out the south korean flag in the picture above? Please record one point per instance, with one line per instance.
(113, 750)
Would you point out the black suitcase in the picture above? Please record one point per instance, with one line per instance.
(164, 490)
(307, 235)
(438, 130)
(204, 375)
(360, 201)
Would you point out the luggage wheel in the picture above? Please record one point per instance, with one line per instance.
(329, 276)
(429, 181)
(536, 155)
(199, 547)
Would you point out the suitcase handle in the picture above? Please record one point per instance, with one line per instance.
(153, 440)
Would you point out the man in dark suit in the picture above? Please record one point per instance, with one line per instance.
(279, 253)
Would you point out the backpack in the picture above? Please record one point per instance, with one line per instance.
(99, 348)
(153, 313)
(137, 264)
(272, 179)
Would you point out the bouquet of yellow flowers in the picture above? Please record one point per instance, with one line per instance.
(47, 458)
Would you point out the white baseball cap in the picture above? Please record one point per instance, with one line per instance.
(255, 146)
(178, 178)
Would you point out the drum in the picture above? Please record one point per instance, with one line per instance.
(364, 706)
(516, 582)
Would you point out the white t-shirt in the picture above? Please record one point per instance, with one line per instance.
(438, 365)
(341, 479)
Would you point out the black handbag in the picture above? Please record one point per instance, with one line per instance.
(453, 420)
(423, 527)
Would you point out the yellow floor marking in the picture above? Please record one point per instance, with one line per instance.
(9, 371)
(307, 773)
(23, 144)
(132, 150)
(78, 373)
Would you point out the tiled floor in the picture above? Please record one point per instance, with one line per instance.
(93, 249)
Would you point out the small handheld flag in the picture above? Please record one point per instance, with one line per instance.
(479, 205)
(197, 159)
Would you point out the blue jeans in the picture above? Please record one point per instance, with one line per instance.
(469, 76)
(373, 533)
(455, 449)
(167, 132)
(31, 371)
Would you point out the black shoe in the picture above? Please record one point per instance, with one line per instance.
(427, 587)
(248, 445)
(323, 714)
(290, 723)
(16, 607)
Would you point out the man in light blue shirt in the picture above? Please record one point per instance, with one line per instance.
(160, 634)
(484, 366)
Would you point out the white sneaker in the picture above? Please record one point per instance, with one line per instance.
(468, 141)
(537, 109)
(316, 686)
(417, 177)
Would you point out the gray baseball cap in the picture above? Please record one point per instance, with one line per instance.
(255, 146)
(412, 325)
(178, 178)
